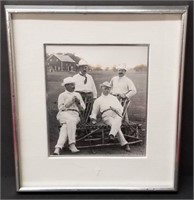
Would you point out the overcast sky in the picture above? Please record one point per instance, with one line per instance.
(106, 56)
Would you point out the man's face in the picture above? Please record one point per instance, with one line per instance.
(121, 72)
(105, 90)
(83, 69)
(70, 87)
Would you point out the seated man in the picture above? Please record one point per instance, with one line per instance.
(111, 112)
(70, 103)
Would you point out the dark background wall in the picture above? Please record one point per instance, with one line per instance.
(186, 151)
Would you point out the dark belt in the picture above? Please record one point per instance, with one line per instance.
(83, 92)
(105, 111)
(116, 95)
(71, 110)
(112, 110)
(119, 97)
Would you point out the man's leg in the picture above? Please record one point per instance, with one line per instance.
(115, 124)
(62, 139)
(71, 132)
(116, 130)
(121, 138)
(123, 141)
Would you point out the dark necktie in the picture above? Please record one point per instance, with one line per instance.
(85, 81)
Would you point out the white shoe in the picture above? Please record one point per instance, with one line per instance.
(126, 147)
(73, 148)
(57, 151)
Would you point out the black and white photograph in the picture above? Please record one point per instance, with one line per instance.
(97, 99)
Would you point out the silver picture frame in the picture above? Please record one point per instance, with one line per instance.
(14, 10)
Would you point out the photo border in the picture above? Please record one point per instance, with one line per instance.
(99, 44)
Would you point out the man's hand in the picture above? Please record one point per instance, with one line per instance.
(123, 96)
(76, 100)
(94, 121)
(73, 99)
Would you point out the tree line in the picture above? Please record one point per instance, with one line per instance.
(137, 68)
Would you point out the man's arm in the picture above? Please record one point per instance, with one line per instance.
(94, 91)
(77, 82)
(64, 102)
(80, 103)
(118, 106)
(61, 102)
(131, 89)
(111, 84)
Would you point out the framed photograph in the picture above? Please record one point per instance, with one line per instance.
(96, 96)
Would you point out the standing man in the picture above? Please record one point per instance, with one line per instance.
(70, 103)
(121, 86)
(111, 112)
(84, 83)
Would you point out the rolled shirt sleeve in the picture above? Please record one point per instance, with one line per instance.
(63, 101)
(60, 102)
(111, 84)
(123, 85)
(131, 87)
(81, 101)
(118, 106)
(105, 103)
(94, 91)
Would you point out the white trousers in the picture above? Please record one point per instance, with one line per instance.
(115, 123)
(67, 130)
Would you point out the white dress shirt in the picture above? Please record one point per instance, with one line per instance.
(103, 103)
(122, 85)
(65, 105)
(110, 117)
(88, 87)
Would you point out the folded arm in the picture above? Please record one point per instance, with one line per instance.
(131, 89)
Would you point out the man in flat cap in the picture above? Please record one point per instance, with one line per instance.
(84, 83)
(111, 111)
(70, 103)
(121, 85)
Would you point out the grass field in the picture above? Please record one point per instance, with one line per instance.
(136, 111)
